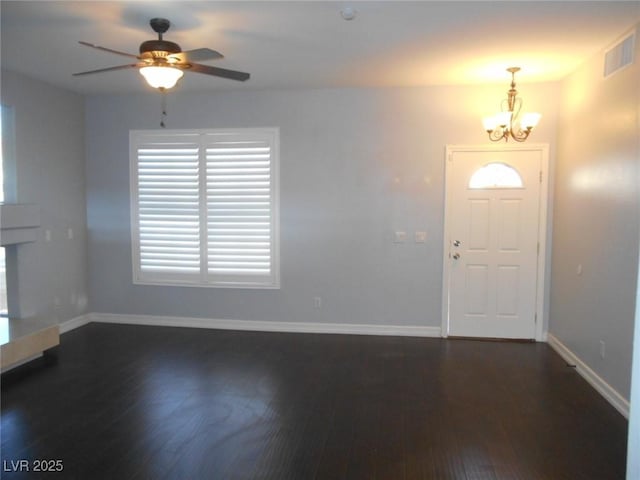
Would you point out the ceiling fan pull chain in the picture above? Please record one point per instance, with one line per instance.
(163, 92)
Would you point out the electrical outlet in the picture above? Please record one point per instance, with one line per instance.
(400, 237)
(317, 302)
(603, 350)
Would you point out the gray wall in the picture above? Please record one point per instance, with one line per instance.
(596, 219)
(357, 164)
(50, 171)
(633, 446)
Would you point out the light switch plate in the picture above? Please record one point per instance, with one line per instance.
(400, 237)
(420, 237)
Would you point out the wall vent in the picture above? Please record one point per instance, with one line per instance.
(619, 56)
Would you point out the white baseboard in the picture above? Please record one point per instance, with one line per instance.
(74, 323)
(603, 388)
(266, 326)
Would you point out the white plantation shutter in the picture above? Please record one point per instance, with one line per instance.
(240, 200)
(204, 207)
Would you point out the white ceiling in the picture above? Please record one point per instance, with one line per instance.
(307, 44)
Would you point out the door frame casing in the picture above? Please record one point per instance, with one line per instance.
(541, 262)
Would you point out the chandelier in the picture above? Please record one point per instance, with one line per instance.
(507, 124)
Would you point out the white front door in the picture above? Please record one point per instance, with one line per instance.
(491, 250)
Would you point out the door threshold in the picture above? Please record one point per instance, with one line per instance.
(494, 339)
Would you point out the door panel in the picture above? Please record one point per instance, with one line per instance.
(492, 272)
(479, 224)
(509, 220)
(476, 289)
(506, 291)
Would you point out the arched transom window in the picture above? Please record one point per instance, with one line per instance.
(496, 175)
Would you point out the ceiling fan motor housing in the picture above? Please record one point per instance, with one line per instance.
(159, 46)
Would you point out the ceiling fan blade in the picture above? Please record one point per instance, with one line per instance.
(110, 50)
(108, 69)
(197, 55)
(219, 72)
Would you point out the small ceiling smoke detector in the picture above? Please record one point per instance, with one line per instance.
(348, 13)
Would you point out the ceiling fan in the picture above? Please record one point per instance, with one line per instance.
(163, 63)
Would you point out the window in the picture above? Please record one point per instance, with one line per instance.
(205, 207)
(8, 194)
(495, 175)
(4, 310)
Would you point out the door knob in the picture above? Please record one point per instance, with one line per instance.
(456, 256)
(457, 243)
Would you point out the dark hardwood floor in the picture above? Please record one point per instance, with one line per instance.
(131, 402)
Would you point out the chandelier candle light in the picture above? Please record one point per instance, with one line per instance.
(506, 124)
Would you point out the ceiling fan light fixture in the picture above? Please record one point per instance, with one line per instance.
(161, 76)
(162, 63)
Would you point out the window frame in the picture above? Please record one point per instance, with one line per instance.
(204, 278)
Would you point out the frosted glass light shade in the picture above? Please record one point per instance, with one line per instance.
(530, 120)
(489, 123)
(503, 119)
(161, 77)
